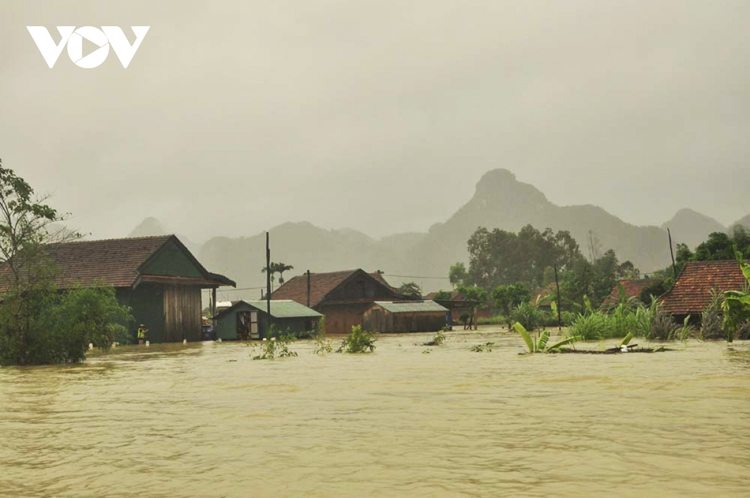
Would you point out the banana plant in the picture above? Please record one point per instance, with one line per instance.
(736, 304)
(541, 345)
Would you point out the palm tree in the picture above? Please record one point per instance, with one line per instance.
(280, 269)
(272, 271)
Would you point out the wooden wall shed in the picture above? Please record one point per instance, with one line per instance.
(249, 319)
(157, 277)
(343, 297)
(405, 316)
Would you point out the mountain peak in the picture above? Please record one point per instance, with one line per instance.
(501, 184)
(691, 227)
(149, 227)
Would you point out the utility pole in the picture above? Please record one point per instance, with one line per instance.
(268, 280)
(308, 288)
(559, 303)
(674, 266)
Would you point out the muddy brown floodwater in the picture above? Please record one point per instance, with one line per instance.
(204, 420)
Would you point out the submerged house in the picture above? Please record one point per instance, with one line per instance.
(696, 284)
(342, 296)
(632, 288)
(249, 319)
(405, 316)
(156, 276)
(457, 305)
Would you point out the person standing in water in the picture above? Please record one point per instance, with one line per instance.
(142, 330)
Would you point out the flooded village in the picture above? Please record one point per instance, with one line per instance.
(152, 371)
(334, 249)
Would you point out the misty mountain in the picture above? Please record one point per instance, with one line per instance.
(691, 228)
(500, 201)
(743, 222)
(306, 247)
(151, 227)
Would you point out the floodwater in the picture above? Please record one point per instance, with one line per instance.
(204, 420)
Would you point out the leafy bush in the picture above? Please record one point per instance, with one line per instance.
(493, 320)
(528, 315)
(437, 340)
(275, 348)
(663, 327)
(61, 325)
(711, 320)
(359, 341)
(323, 346)
(591, 327)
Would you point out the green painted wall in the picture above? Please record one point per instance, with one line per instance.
(171, 261)
(226, 325)
(147, 303)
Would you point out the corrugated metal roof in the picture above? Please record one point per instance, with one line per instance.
(286, 309)
(411, 307)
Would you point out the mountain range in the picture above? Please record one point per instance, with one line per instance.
(500, 201)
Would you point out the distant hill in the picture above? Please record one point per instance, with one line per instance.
(500, 201)
(306, 247)
(151, 227)
(691, 228)
(744, 222)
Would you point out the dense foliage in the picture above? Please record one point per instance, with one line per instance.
(498, 257)
(38, 324)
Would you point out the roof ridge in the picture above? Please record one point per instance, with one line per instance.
(147, 237)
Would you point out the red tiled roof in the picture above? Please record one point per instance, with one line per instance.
(321, 284)
(115, 261)
(691, 292)
(633, 289)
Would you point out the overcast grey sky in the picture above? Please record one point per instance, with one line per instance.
(380, 115)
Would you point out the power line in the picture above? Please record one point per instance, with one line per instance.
(412, 276)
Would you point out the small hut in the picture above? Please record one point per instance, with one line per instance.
(249, 320)
(406, 316)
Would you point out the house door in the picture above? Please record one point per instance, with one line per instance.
(247, 325)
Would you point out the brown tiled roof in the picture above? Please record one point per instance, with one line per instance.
(633, 289)
(691, 292)
(115, 261)
(321, 284)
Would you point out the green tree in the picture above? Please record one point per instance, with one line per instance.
(507, 297)
(411, 289)
(34, 316)
(477, 297)
(499, 257)
(458, 275)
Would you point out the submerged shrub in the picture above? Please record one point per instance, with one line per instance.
(437, 340)
(359, 341)
(591, 327)
(323, 346)
(528, 315)
(275, 348)
(482, 348)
